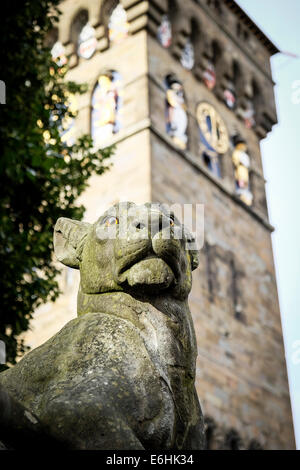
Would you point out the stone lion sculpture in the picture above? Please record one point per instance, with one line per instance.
(122, 374)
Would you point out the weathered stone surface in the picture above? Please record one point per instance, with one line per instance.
(121, 375)
(19, 428)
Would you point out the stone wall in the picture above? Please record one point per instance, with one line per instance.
(241, 372)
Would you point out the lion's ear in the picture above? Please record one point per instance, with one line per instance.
(195, 259)
(69, 237)
(191, 246)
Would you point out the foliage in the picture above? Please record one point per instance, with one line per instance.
(41, 175)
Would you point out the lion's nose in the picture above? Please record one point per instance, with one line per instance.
(154, 223)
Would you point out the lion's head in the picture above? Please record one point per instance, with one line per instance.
(130, 248)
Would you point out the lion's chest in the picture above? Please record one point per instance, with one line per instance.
(169, 343)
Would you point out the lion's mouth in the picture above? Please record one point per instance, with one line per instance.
(150, 270)
(172, 264)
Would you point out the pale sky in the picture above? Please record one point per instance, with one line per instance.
(279, 20)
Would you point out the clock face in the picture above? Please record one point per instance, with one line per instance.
(212, 128)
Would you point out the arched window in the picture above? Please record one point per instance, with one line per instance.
(176, 115)
(216, 5)
(195, 34)
(79, 21)
(233, 89)
(188, 55)
(242, 32)
(238, 79)
(118, 26)
(257, 98)
(165, 29)
(188, 51)
(83, 35)
(245, 99)
(106, 105)
(217, 53)
(51, 38)
(211, 65)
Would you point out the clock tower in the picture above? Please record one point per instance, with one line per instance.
(184, 90)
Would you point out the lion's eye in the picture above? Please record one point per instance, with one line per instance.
(111, 221)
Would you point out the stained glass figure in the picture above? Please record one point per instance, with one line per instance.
(209, 76)
(118, 26)
(87, 42)
(241, 162)
(58, 54)
(176, 115)
(188, 55)
(106, 104)
(164, 33)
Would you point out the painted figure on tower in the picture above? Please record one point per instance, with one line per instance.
(188, 55)
(176, 115)
(164, 33)
(87, 42)
(118, 27)
(241, 162)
